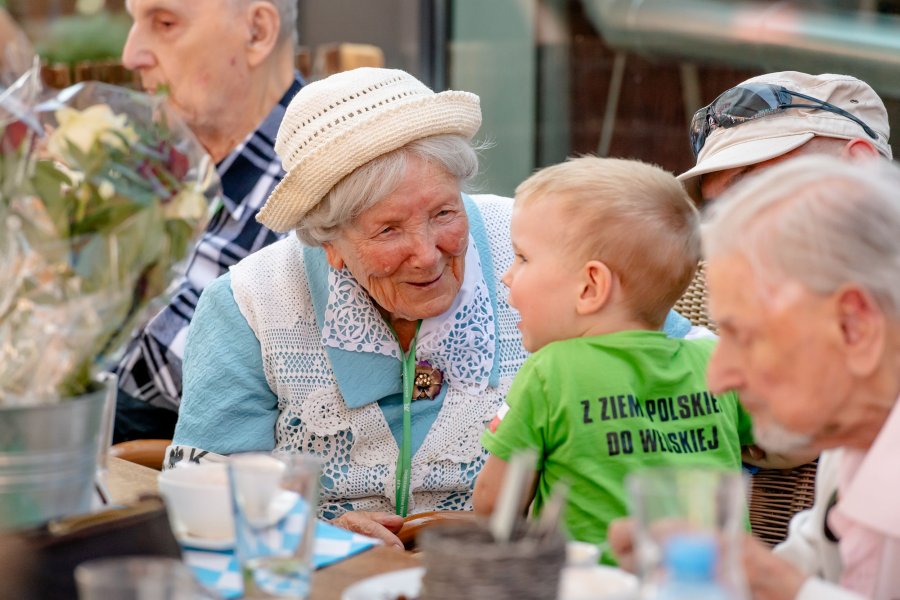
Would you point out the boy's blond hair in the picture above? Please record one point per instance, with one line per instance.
(634, 217)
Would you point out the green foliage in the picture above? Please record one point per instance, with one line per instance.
(75, 38)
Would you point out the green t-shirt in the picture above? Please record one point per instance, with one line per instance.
(598, 408)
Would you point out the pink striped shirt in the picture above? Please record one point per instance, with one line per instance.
(867, 516)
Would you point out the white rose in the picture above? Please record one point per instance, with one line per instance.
(106, 189)
(188, 205)
(84, 127)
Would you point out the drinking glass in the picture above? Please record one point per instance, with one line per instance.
(709, 502)
(274, 499)
(137, 578)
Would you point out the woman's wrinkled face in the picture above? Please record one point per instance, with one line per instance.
(408, 250)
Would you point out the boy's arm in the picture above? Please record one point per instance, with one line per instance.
(758, 457)
(487, 487)
(520, 423)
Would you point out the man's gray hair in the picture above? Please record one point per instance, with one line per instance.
(378, 178)
(817, 220)
(287, 11)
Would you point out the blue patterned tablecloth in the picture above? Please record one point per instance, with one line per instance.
(219, 570)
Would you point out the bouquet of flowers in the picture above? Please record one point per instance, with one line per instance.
(102, 191)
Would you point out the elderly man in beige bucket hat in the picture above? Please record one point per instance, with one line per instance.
(771, 118)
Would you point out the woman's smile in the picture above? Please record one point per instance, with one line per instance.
(428, 283)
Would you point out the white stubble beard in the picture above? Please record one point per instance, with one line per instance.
(776, 438)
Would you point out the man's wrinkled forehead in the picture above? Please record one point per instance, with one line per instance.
(175, 6)
(750, 283)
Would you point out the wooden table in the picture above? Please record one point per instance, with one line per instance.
(127, 481)
(330, 582)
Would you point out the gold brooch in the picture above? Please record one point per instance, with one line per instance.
(427, 382)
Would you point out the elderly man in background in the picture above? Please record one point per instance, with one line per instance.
(773, 117)
(227, 68)
(804, 281)
(756, 125)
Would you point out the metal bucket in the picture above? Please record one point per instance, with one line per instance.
(48, 459)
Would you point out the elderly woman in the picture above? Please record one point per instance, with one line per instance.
(376, 337)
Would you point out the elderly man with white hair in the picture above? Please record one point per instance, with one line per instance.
(804, 282)
(227, 68)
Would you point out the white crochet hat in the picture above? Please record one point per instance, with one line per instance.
(336, 125)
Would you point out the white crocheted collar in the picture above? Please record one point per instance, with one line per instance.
(461, 342)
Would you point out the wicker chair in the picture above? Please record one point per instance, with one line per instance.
(775, 494)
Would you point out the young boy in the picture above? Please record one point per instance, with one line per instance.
(603, 249)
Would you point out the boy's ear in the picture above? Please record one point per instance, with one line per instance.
(595, 289)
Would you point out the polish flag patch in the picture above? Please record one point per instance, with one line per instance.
(499, 417)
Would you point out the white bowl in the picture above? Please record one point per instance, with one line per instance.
(597, 582)
(198, 501)
(582, 554)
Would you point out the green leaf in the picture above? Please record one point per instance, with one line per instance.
(48, 183)
(75, 38)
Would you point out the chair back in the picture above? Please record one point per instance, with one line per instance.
(147, 453)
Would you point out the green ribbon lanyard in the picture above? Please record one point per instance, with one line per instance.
(404, 460)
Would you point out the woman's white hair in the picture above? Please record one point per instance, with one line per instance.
(817, 220)
(378, 178)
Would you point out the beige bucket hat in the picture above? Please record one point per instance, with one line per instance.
(767, 137)
(335, 125)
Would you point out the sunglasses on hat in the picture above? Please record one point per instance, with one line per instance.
(752, 101)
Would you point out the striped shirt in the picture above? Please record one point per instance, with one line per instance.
(150, 369)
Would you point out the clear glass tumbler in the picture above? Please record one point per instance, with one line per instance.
(709, 502)
(274, 499)
(137, 578)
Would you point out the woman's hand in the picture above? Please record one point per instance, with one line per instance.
(380, 525)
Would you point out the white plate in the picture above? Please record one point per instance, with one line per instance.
(190, 541)
(407, 582)
(596, 581)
